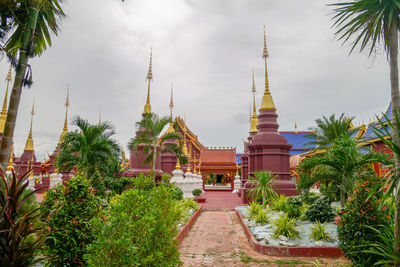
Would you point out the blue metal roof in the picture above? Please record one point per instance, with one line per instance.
(369, 134)
(297, 140)
(239, 159)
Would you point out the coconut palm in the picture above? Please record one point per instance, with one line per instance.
(340, 166)
(372, 22)
(150, 129)
(329, 129)
(91, 148)
(262, 185)
(27, 31)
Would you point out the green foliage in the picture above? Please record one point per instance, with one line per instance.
(18, 221)
(197, 192)
(97, 182)
(261, 217)
(118, 184)
(320, 210)
(137, 230)
(362, 212)
(144, 182)
(295, 201)
(279, 203)
(185, 206)
(309, 197)
(262, 181)
(318, 232)
(176, 192)
(254, 208)
(330, 190)
(68, 210)
(286, 226)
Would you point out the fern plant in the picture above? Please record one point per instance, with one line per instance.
(261, 217)
(254, 208)
(286, 226)
(318, 232)
(279, 203)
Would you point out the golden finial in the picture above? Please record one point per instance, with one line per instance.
(10, 166)
(295, 127)
(3, 114)
(199, 167)
(147, 107)
(171, 105)
(184, 149)
(29, 141)
(254, 119)
(237, 169)
(267, 101)
(65, 129)
(178, 164)
(99, 116)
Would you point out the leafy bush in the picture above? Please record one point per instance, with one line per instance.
(177, 193)
(330, 190)
(137, 230)
(309, 198)
(185, 206)
(18, 221)
(69, 210)
(286, 226)
(362, 212)
(295, 201)
(318, 232)
(197, 192)
(320, 210)
(293, 211)
(144, 182)
(279, 203)
(290, 205)
(261, 217)
(254, 208)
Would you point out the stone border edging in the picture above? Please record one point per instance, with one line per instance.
(288, 251)
(186, 228)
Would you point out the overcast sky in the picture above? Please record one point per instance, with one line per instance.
(207, 49)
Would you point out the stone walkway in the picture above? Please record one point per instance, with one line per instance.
(220, 200)
(217, 239)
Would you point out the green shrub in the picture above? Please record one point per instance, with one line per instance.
(68, 212)
(289, 205)
(318, 232)
(176, 192)
(144, 182)
(310, 197)
(286, 226)
(254, 208)
(293, 211)
(295, 201)
(184, 206)
(279, 203)
(330, 190)
(261, 217)
(362, 212)
(197, 192)
(137, 230)
(118, 184)
(320, 210)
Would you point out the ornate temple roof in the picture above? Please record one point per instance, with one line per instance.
(369, 134)
(298, 141)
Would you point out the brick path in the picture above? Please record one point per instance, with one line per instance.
(217, 239)
(220, 200)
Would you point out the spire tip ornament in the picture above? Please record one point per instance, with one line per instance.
(267, 101)
(147, 106)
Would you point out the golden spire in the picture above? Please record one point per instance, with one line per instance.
(254, 119)
(190, 158)
(295, 127)
(267, 101)
(178, 164)
(29, 141)
(171, 106)
(147, 107)
(3, 114)
(99, 116)
(65, 129)
(184, 149)
(237, 169)
(10, 166)
(199, 167)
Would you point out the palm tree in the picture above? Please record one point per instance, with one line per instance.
(91, 148)
(150, 128)
(32, 22)
(262, 181)
(329, 129)
(372, 22)
(340, 166)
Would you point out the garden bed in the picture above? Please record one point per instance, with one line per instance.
(186, 227)
(302, 246)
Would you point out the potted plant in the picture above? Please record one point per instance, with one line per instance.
(197, 195)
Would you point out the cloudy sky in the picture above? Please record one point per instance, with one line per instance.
(207, 49)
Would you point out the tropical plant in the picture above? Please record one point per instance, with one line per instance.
(320, 210)
(261, 217)
(329, 129)
(149, 135)
(197, 192)
(262, 185)
(318, 232)
(17, 222)
(363, 211)
(279, 203)
(137, 229)
(254, 207)
(27, 28)
(340, 165)
(90, 148)
(68, 230)
(286, 226)
(373, 22)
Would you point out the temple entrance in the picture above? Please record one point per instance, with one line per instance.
(218, 181)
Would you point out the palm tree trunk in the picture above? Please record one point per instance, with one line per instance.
(263, 199)
(394, 82)
(27, 39)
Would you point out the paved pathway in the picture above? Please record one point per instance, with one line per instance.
(217, 239)
(220, 200)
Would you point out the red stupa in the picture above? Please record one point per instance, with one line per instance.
(268, 149)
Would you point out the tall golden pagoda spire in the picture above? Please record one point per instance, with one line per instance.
(65, 129)
(267, 101)
(3, 114)
(147, 107)
(295, 128)
(254, 119)
(29, 141)
(184, 149)
(171, 106)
